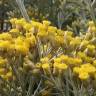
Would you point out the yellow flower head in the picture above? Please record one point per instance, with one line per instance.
(68, 33)
(76, 70)
(31, 40)
(13, 20)
(60, 32)
(93, 29)
(5, 44)
(29, 34)
(91, 23)
(45, 66)
(19, 40)
(46, 23)
(44, 60)
(27, 26)
(9, 75)
(81, 55)
(36, 24)
(42, 34)
(84, 76)
(88, 59)
(23, 49)
(5, 36)
(94, 62)
(2, 62)
(20, 22)
(59, 67)
(84, 43)
(2, 71)
(89, 68)
(62, 66)
(64, 58)
(75, 41)
(77, 61)
(59, 39)
(57, 60)
(52, 30)
(91, 47)
(14, 31)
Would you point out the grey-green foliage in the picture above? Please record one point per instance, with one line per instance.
(76, 13)
(71, 14)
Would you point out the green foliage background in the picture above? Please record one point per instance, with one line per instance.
(65, 14)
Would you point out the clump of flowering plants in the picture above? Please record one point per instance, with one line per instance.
(37, 59)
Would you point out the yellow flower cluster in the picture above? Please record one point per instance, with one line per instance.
(80, 52)
(5, 72)
(84, 71)
(52, 68)
(16, 39)
(44, 43)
